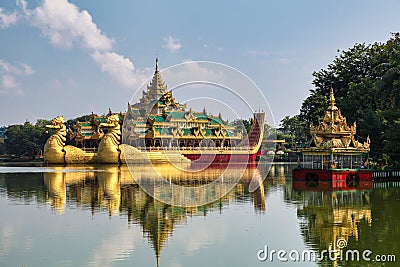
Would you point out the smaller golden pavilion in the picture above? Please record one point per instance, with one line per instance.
(88, 134)
(334, 145)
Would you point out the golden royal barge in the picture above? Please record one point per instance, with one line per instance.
(156, 129)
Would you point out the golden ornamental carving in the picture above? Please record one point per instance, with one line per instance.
(54, 147)
(109, 147)
(333, 130)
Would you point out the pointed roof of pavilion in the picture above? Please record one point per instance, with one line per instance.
(333, 132)
(157, 82)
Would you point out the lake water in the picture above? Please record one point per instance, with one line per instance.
(99, 216)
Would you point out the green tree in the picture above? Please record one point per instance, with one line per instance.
(242, 125)
(2, 147)
(312, 109)
(366, 82)
(295, 131)
(26, 139)
(72, 122)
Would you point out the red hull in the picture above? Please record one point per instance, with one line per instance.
(327, 180)
(222, 158)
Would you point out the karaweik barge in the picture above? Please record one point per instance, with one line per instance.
(157, 129)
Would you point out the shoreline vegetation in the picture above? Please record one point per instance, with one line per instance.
(366, 80)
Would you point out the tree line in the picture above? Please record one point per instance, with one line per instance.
(26, 139)
(366, 82)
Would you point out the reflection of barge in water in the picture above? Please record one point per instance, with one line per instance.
(334, 153)
(160, 179)
(193, 185)
(113, 189)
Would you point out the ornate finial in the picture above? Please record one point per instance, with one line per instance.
(156, 64)
(332, 97)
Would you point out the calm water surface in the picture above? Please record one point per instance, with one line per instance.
(85, 216)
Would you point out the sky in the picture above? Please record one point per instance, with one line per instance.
(74, 57)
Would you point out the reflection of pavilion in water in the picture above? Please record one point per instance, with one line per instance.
(278, 170)
(327, 216)
(114, 189)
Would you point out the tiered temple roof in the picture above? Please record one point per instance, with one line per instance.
(159, 115)
(333, 134)
(157, 97)
(334, 144)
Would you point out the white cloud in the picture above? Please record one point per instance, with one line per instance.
(6, 20)
(64, 24)
(8, 81)
(119, 67)
(27, 69)
(22, 4)
(5, 67)
(172, 44)
(9, 74)
(21, 69)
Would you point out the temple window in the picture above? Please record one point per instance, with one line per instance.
(181, 143)
(189, 143)
(157, 143)
(149, 142)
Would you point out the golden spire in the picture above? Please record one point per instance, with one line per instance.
(156, 64)
(332, 104)
(334, 132)
(332, 97)
(157, 83)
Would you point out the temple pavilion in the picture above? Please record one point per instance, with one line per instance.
(87, 134)
(158, 120)
(333, 145)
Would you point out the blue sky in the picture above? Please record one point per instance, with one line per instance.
(70, 58)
